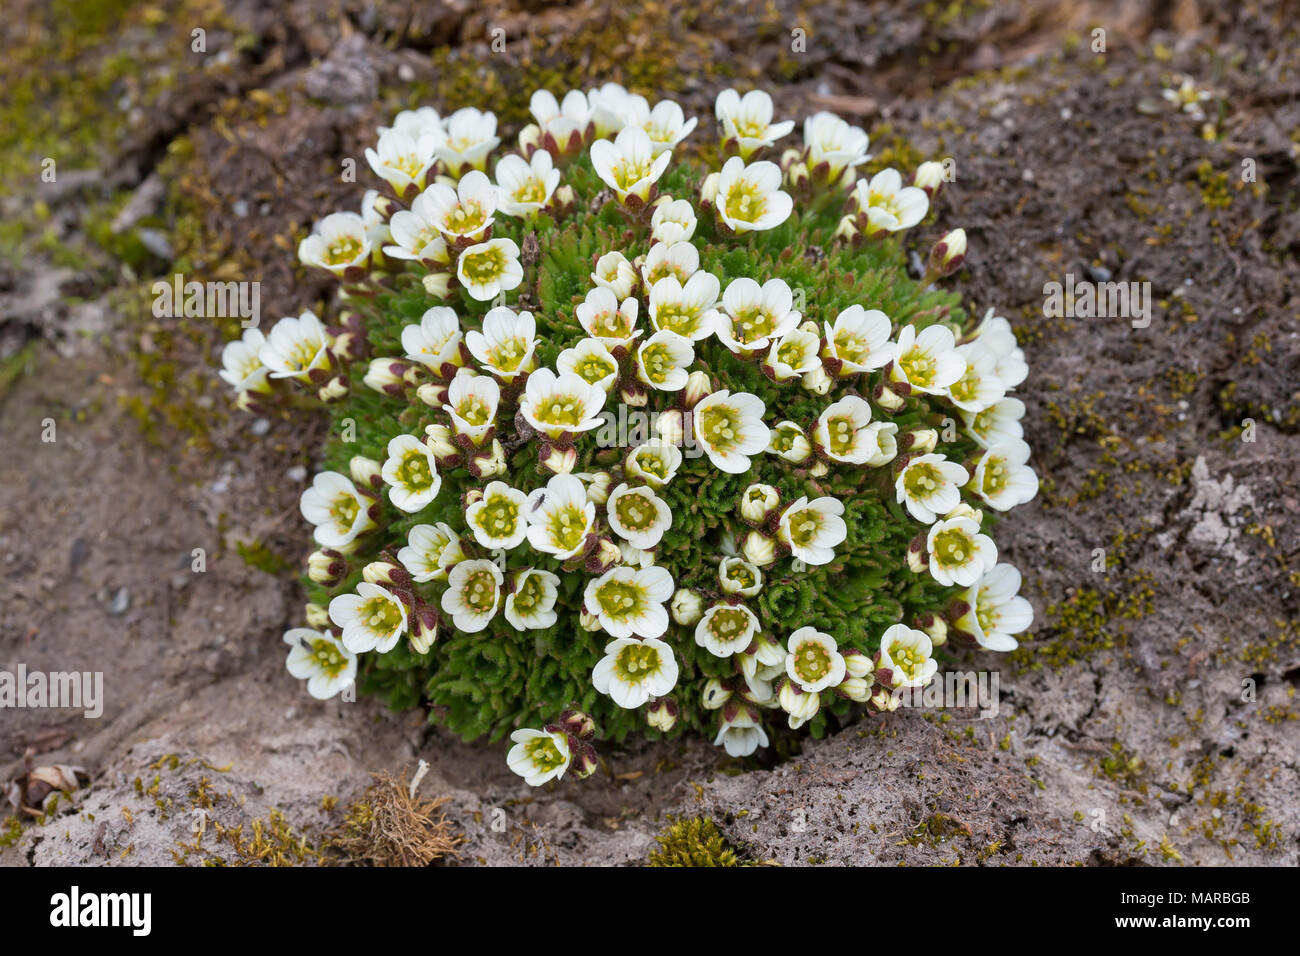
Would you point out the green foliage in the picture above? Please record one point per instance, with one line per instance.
(695, 841)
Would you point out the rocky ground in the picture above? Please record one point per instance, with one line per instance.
(1151, 717)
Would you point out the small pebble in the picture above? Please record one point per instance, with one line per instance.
(1099, 273)
(240, 208)
(297, 473)
(121, 602)
(260, 426)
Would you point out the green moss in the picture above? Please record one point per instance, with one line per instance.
(695, 841)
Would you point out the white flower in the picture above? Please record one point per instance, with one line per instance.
(1002, 477)
(531, 605)
(889, 205)
(610, 106)
(403, 160)
(319, 658)
(423, 121)
(740, 735)
(525, 187)
(373, 619)
(632, 672)
(473, 594)
(499, 519)
(979, 385)
(801, 707)
(416, 234)
(560, 517)
(430, 550)
(630, 601)
(638, 515)
(564, 122)
(472, 402)
(859, 338)
(813, 660)
(905, 653)
(930, 486)
(959, 554)
(411, 473)
(590, 361)
(673, 221)
(463, 213)
(927, 361)
(997, 612)
(757, 501)
(635, 557)
(471, 135)
(655, 462)
(813, 529)
(338, 242)
(842, 431)
(663, 359)
(759, 549)
(726, 629)
(601, 316)
(685, 309)
(747, 120)
(615, 273)
(679, 260)
(666, 124)
(882, 438)
(738, 576)
(629, 165)
(242, 363)
(750, 197)
(435, 342)
(753, 315)
(295, 347)
(563, 404)
(789, 442)
(336, 508)
(539, 756)
(730, 429)
(995, 333)
(998, 423)
(505, 346)
(490, 268)
(834, 147)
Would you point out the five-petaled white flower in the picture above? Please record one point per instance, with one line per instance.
(472, 402)
(930, 486)
(834, 147)
(632, 672)
(928, 360)
(416, 235)
(539, 756)
(753, 315)
(241, 362)
(813, 529)
(429, 551)
(726, 629)
(730, 429)
(610, 106)
(747, 121)
(882, 437)
(813, 660)
(995, 333)
(663, 359)
(749, 197)
(337, 509)
(530, 606)
(591, 361)
(615, 273)
(655, 462)
(678, 260)
(740, 734)
(296, 346)
(629, 165)
(499, 519)
(465, 213)
(489, 268)
(403, 160)
(1002, 477)
(998, 423)
(435, 341)
(373, 619)
(979, 385)
(638, 515)
(505, 346)
(997, 611)
(842, 431)
(471, 135)
(560, 517)
(319, 658)
(889, 205)
(338, 243)
(601, 316)
(959, 553)
(557, 405)
(564, 122)
(525, 187)
(473, 594)
(630, 601)
(905, 653)
(673, 221)
(859, 339)
(411, 473)
(687, 309)
(666, 124)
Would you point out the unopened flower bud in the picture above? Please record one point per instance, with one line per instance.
(589, 621)
(709, 190)
(801, 705)
(856, 689)
(438, 438)
(669, 427)
(947, 255)
(887, 398)
(919, 441)
(584, 762)
(317, 616)
(336, 389)
(424, 629)
(698, 386)
(326, 567)
(560, 461)
(848, 229)
(933, 625)
(438, 284)
(758, 501)
(598, 487)
(385, 375)
(687, 607)
(885, 701)
(530, 138)
(857, 664)
(386, 573)
(930, 177)
(917, 558)
(366, 472)
(714, 695)
(492, 463)
(575, 723)
(759, 549)
(662, 714)
(818, 381)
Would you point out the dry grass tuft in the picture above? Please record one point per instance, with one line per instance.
(389, 827)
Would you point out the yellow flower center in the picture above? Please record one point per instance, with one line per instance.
(843, 436)
(721, 427)
(635, 512)
(743, 203)
(804, 526)
(568, 525)
(328, 657)
(635, 662)
(499, 517)
(812, 662)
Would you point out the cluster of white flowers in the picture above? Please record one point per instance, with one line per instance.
(645, 317)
